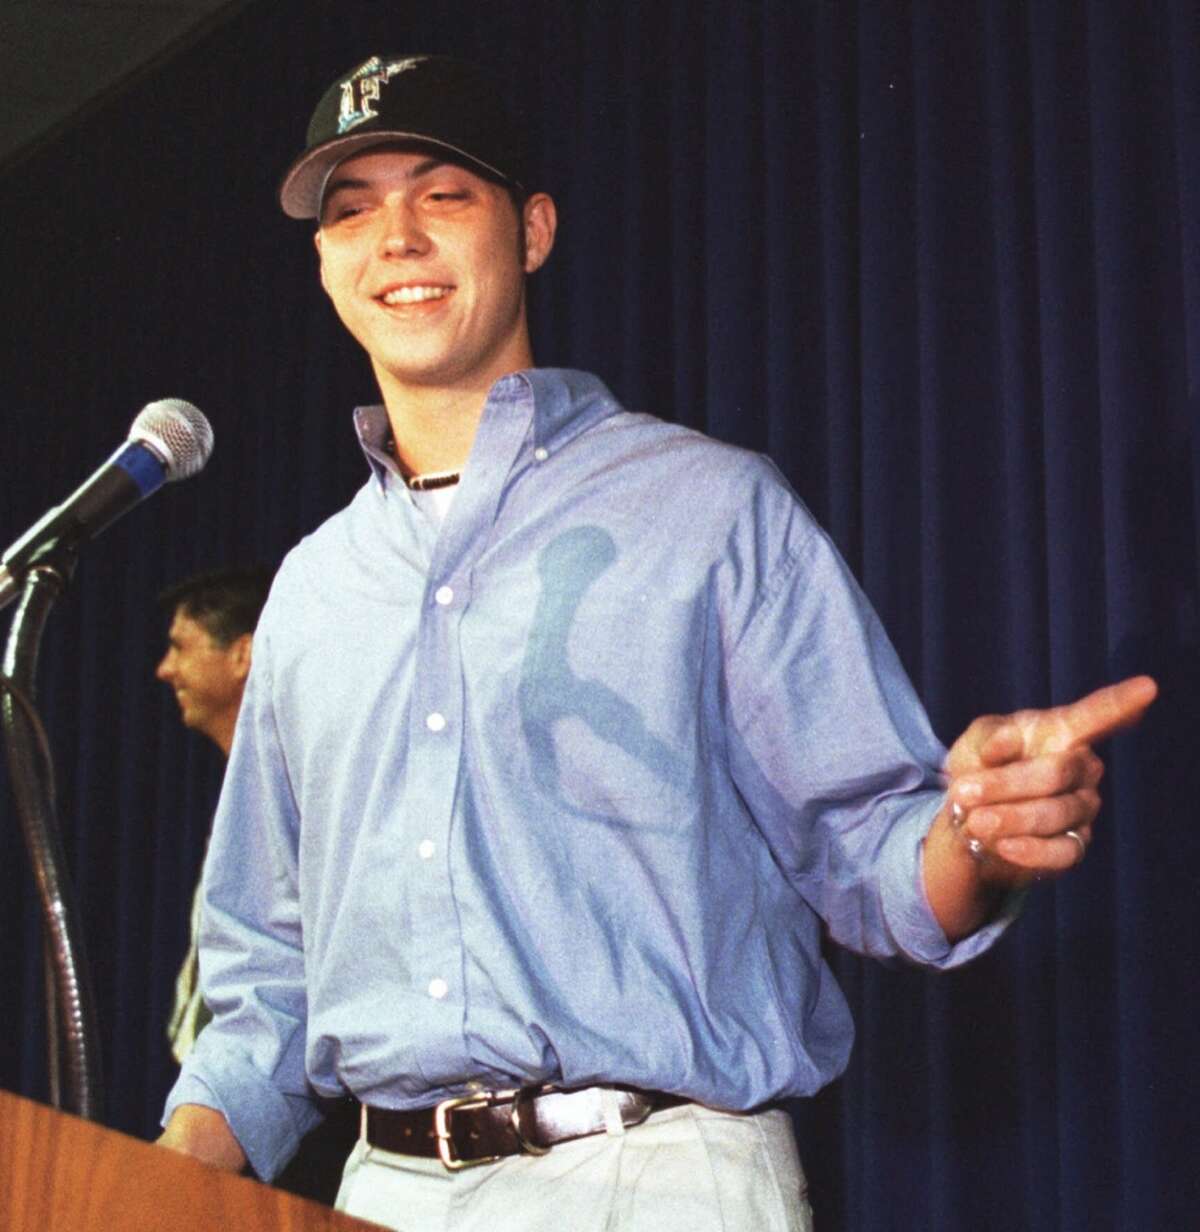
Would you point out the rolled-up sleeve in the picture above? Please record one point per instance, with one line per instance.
(833, 753)
(248, 1063)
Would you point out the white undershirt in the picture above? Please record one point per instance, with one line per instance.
(435, 502)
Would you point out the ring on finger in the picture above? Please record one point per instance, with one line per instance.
(1078, 839)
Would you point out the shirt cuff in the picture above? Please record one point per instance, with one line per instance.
(267, 1124)
(917, 934)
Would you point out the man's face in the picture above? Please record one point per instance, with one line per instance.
(207, 677)
(424, 263)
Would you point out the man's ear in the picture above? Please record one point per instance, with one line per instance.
(320, 259)
(239, 654)
(540, 218)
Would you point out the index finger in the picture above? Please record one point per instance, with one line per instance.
(1099, 714)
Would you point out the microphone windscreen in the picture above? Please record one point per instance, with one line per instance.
(178, 432)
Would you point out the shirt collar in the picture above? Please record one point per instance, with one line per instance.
(565, 403)
(372, 427)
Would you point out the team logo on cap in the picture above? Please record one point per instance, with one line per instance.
(360, 91)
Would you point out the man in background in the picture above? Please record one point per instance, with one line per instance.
(213, 615)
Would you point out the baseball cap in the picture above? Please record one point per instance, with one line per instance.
(438, 101)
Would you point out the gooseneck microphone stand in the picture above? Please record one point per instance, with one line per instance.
(71, 1035)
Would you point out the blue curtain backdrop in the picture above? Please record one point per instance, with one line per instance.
(941, 261)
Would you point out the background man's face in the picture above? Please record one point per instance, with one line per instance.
(207, 678)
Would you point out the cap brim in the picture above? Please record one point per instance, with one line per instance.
(303, 185)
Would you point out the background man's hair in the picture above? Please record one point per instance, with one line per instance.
(226, 602)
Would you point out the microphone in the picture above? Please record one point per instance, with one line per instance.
(170, 439)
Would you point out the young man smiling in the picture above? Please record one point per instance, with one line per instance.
(563, 743)
(425, 263)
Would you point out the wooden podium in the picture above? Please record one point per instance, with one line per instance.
(59, 1173)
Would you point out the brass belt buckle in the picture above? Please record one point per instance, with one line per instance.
(441, 1127)
(444, 1111)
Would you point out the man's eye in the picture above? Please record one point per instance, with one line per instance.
(447, 195)
(340, 212)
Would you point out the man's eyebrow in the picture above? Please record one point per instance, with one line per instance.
(424, 167)
(342, 184)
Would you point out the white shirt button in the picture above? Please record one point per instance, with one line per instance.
(541, 454)
(438, 988)
(426, 848)
(435, 722)
(444, 596)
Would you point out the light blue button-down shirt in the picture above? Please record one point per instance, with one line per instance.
(560, 789)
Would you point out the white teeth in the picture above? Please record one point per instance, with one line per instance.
(414, 295)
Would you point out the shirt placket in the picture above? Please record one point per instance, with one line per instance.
(437, 734)
(434, 758)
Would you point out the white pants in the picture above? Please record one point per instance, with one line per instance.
(686, 1169)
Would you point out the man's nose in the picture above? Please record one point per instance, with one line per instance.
(403, 233)
(164, 668)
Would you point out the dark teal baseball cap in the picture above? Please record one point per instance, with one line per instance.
(436, 101)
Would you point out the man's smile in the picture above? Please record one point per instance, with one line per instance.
(410, 294)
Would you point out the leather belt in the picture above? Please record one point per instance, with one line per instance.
(488, 1126)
